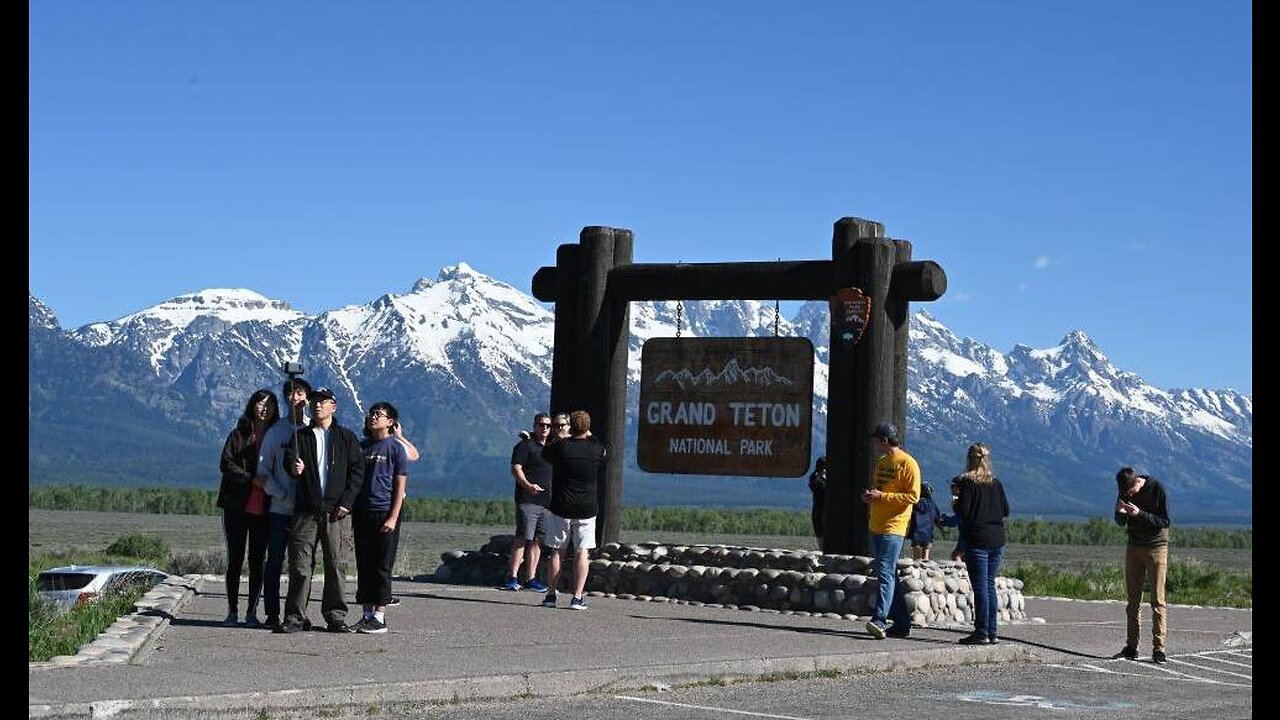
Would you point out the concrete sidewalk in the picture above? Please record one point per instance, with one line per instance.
(448, 643)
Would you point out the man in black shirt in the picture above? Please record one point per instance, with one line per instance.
(1143, 509)
(533, 483)
(577, 466)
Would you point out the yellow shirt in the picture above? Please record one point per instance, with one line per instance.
(897, 476)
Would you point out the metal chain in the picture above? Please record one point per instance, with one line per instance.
(679, 316)
(777, 314)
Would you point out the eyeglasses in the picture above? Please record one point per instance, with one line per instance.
(379, 415)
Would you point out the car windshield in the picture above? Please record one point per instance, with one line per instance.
(63, 581)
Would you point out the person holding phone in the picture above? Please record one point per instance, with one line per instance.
(1142, 509)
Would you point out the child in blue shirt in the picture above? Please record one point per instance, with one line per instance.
(924, 516)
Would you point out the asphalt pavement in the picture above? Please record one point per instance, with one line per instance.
(453, 643)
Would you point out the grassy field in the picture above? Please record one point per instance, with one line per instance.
(51, 531)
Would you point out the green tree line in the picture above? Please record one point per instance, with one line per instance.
(1026, 531)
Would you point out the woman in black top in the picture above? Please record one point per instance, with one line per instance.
(243, 514)
(818, 486)
(982, 508)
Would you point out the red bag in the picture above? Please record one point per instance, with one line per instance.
(257, 502)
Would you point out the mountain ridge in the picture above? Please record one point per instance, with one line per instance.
(467, 360)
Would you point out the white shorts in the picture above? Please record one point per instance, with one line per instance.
(559, 530)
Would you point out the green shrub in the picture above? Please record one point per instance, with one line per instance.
(198, 562)
(1186, 583)
(136, 545)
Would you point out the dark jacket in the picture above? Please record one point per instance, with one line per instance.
(1150, 527)
(982, 508)
(239, 464)
(346, 470)
(924, 516)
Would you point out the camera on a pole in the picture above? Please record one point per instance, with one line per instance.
(292, 369)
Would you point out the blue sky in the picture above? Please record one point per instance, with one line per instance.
(1072, 165)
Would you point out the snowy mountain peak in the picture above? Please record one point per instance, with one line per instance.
(230, 305)
(39, 314)
(461, 272)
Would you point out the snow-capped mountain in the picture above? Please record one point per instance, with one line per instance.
(467, 359)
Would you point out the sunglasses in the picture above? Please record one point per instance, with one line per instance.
(545, 425)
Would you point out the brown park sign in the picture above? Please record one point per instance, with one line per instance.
(726, 406)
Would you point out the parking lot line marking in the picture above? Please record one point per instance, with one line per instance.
(707, 707)
(1214, 658)
(1084, 667)
(1210, 669)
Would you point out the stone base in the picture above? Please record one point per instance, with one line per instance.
(938, 592)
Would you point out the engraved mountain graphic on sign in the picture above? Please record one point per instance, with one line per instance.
(732, 374)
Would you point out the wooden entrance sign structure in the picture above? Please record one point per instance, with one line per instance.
(593, 282)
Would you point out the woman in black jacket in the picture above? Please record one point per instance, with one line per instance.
(982, 508)
(243, 514)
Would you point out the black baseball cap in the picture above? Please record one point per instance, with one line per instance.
(885, 431)
(319, 394)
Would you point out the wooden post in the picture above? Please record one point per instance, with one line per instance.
(899, 316)
(872, 371)
(614, 419)
(845, 514)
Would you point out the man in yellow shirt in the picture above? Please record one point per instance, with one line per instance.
(895, 488)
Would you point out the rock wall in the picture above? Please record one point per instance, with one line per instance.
(754, 579)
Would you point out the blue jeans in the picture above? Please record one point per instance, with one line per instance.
(983, 564)
(278, 527)
(891, 599)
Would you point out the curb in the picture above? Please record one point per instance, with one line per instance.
(309, 701)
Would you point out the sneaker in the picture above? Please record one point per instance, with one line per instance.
(393, 601)
(975, 639)
(875, 629)
(511, 584)
(371, 626)
(340, 627)
(898, 633)
(1158, 657)
(231, 620)
(1128, 652)
(993, 640)
(579, 604)
(549, 601)
(536, 585)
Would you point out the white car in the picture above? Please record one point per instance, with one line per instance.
(71, 585)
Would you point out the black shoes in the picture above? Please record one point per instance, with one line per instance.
(340, 627)
(899, 633)
(289, 627)
(975, 639)
(1158, 657)
(1128, 652)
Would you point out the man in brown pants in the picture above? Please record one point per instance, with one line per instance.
(1143, 509)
